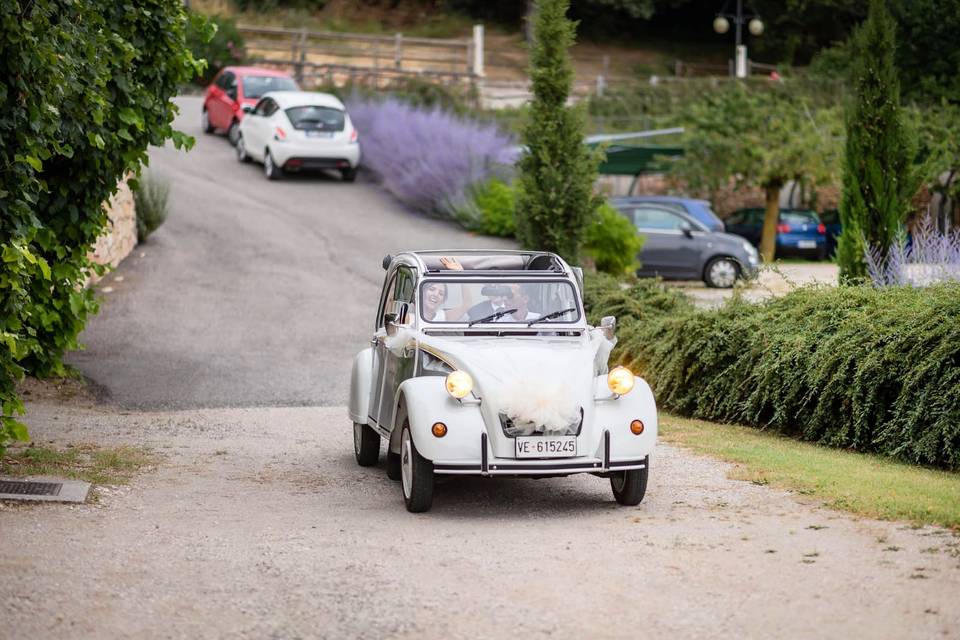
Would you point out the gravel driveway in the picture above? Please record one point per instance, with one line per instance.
(259, 524)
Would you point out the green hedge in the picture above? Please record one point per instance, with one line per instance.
(852, 367)
(85, 88)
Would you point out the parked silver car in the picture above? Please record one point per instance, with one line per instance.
(679, 247)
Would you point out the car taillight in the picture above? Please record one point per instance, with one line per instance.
(353, 136)
(783, 228)
(821, 228)
(279, 134)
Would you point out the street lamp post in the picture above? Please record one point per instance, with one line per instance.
(721, 24)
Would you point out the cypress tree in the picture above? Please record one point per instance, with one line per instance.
(879, 177)
(555, 200)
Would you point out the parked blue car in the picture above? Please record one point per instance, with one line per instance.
(699, 210)
(799, 231)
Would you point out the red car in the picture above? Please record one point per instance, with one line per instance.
(234, 88)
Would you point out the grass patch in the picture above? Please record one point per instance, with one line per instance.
(104, 466)
(862, 484)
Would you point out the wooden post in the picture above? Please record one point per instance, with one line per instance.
(376, 54)
(300, 54)
(397, 49)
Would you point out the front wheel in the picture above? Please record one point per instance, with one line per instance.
(630, 486)
(416, 475)
(270, 168)
(366, 445)
(233, 133)
(242, 155)
(205, 125)
(721, 273)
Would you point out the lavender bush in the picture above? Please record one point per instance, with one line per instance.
(931, 257)
(428, 158)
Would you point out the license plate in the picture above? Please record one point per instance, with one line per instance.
(546, 446)
(319, 134)
(807, 244)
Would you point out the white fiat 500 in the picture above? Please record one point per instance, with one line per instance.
(299, 130)
(482, 363)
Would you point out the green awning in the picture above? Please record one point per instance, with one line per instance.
(630, 160)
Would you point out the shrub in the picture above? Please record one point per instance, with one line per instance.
(489, 209)
(932, 256)
(427, 158)
(150, 195)
(86, 88)
(853, 367)
(612, 242)
(223, 49)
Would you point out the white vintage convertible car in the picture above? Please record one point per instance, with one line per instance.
(482, 363)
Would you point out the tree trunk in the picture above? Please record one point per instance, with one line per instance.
(768, 238)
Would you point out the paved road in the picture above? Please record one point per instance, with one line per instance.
(253, 293)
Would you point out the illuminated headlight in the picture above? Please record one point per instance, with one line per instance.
(620, 380)
(459, 384)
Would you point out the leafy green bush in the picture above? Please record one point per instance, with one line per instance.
(150, 195)
(85, 89)
(493, 211)
(613, 243)
(852, 367)
(225, 48)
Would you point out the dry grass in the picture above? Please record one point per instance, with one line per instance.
(97, 465)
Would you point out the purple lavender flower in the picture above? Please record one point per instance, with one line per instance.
(427, 158)
(931, 256)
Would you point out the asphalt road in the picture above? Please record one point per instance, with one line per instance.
(253, 293)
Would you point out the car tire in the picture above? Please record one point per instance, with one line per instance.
(393, 465)
(721, 273)
(416, 475)
(629, 487)
(242, 155)
(205, 125)
(366, 445)
(348, 175)
(270, 169)
(821, 253)
(233, 133)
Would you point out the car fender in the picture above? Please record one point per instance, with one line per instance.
(616, 414)
(425, 401)
(360, 383)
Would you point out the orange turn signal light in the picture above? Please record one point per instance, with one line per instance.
(439, 429)
(636, 427)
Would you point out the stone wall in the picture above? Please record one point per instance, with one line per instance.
(121, 235)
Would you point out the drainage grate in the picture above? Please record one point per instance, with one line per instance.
(25, 488)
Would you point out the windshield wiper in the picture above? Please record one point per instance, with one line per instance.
(492, 316)
(549, 316)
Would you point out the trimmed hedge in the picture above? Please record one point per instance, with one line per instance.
(860, 368)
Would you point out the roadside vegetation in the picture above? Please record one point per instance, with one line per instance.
(90, 463)
(87, 89)
(863, 484)
(151, 196)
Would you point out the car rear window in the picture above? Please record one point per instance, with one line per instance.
(256, 86)
(313, 118)
(799, 217)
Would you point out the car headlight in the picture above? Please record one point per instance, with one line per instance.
(620, 380)
(459, 384)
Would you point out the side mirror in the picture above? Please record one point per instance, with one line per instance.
(387, 259)
(247, 108)
(232, 93)
(608, 326)
(686, 229)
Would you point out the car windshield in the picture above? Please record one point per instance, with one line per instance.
(256, 86)
(501, 301)
(314, 118)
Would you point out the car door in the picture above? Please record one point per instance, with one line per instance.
(667, 251)
(397, 365)
(221, 107)
(256, 127)
(379, 347)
